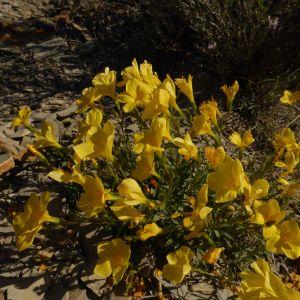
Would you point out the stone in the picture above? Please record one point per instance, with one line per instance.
(2, 296)
(94, 283)
(67, 112)
(23, 288)
(6, 163)
(202, 287)
(224, 294)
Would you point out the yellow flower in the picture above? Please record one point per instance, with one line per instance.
(129, 73)
(137, 94)
(228, 180)
(283, 238)
(148, 76)
(201, 126)
(74, 175)
(186, 87)
(291, 189)
(125, 212)
(99, 145)
(143, 73)
(89, 96)
(29, 223)
(230, 92)
(212, 255)
(284, 140)
(290, 98)
(113, 259)
(264, 284)
(160, 129)
(268, 213)
(258, 190)
(215, 156)
(102, 141)
(23, 117)
(291, 160)
(90, 125)
(187, 148)
(145, 165)
(149, 231)
(130, 190)
(105, 83)
(210, 111)
(159, 104)
(195, 222)
(241, 141)
(169, 85)
(45, 137)
(92, 201)
(83, 150)
(179, 264)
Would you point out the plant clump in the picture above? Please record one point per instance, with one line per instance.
(176, 187)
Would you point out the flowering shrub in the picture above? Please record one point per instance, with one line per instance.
(175, 187)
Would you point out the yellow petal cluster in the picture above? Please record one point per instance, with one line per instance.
(267, 213)
(130, 190)
(186, 87)
(187, 148)
(89, 126)
(230, 92)
(30, 222)
(126, 213)
(98, 145)
(45, 137)
(256, 191)
(145, 165)
(284, 140)
(201, 126)
(210, 111)
(149, 230)
(137, 94)
(290, 189)
(215, 156)
(290, 98)
(290, 161)
(179, 264)
(262, 283)
(228, 180)
(153, 138)
(105, 83)
(23, 117)
(93, 199)
(241, 141)
(212, 255)
(159, 104)
(195, 222)
(113, 259)
(283, 239)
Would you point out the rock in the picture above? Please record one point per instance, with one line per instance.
(6, 163)
(23, 288)
(39, 116)
(133, 127)
(224, 294)
(8, 145)
(97, 285)
(52, 48)
(67, 112)
(203, 288)
(2, 296)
